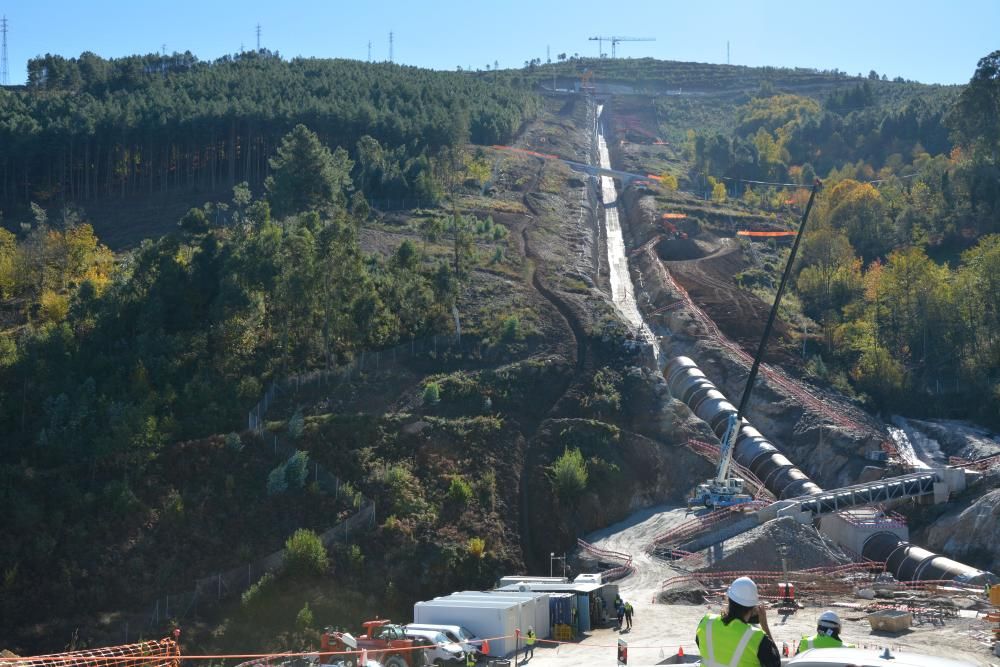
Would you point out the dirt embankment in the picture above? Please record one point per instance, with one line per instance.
(968, 534)
(832, 455)
(627, 471)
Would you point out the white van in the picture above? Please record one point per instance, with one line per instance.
(440, 649)
(458, 634)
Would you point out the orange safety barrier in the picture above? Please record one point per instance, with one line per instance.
(132, 655)
(159, 653)
(674, 216)
(832, 412)
(749, 233)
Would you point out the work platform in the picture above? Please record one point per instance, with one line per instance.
(938, 482)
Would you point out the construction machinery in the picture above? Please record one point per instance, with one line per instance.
(723, 490)
(614, 39)
(382, 640)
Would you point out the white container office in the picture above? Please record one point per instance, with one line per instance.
(496, 620)
(537, 600)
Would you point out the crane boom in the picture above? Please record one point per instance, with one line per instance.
(615, 39)
(726, 452)
(723, 491)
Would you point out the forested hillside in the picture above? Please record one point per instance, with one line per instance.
(899, 265)
(86, 128)
(105, 365)
(123, 377)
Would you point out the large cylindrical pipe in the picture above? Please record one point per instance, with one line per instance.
(753, 451)
(908, 562)
(879, 546)
(695, 386)
(681, 381)
(702, 394)
(941, 567)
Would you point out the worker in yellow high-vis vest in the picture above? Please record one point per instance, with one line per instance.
(827, 634)
(733, 639)
(529, 644)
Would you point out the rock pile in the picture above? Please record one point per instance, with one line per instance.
(760, 549)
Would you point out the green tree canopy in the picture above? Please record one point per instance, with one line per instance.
(306, 175)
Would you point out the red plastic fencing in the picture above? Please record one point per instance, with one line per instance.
(160, 653)
(982, 464)
(699, 524)
(711, 452)
(778, 377)
(623, 570)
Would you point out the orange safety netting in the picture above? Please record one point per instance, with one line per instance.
(160, 653)
(748, 233)
(674, 216)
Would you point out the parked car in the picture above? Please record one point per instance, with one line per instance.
(439, 648)
(458, 634)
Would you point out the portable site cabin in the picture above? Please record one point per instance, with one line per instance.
(590, 610)
(538, 601)
(524, 579)
(562, 609)
(494, 619)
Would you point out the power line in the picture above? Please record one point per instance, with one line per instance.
(806, 185)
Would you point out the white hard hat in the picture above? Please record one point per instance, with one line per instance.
(829, 619)
(743, 591)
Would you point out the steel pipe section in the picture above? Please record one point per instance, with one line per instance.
(905, 561)
(908, 562)
(688, 383)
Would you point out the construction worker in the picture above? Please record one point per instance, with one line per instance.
(827, 634)
(628, 615)
(731, 640)
(529, 643)
(470, 659)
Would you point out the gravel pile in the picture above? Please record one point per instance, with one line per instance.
(758, 549)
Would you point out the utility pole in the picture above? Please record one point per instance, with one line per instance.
(548, 54)
(4, 73)
(391, 36)
(727, 51)
(258, 37)
(369, 50)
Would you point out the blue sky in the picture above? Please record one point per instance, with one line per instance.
(932, 42)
